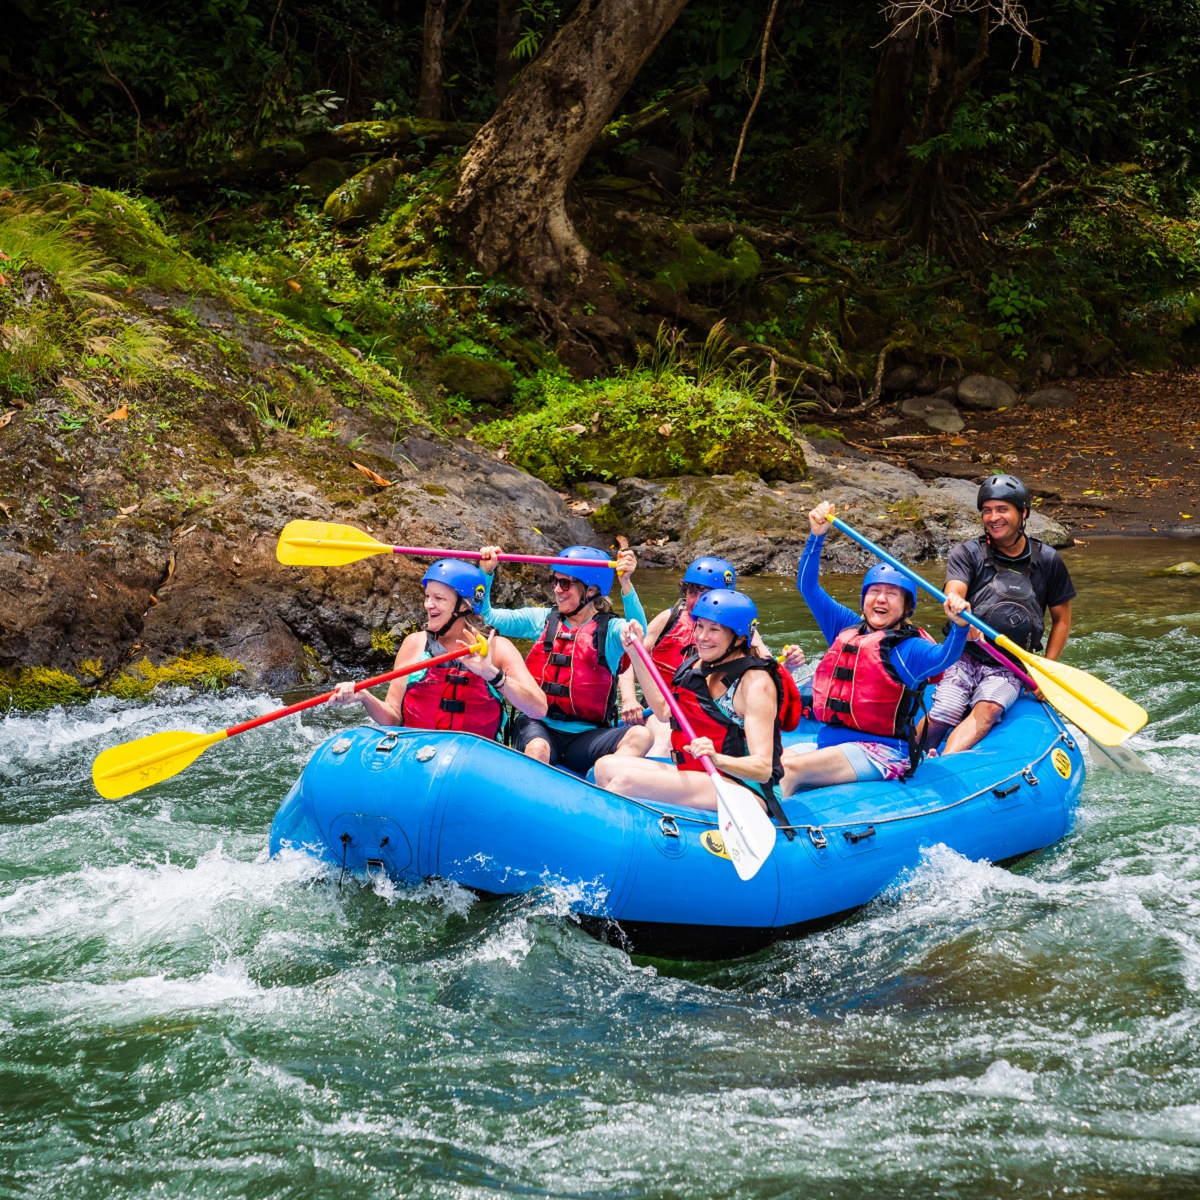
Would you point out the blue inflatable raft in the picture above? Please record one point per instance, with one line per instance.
(653, 878)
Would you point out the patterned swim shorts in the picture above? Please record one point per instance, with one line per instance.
(968, 682)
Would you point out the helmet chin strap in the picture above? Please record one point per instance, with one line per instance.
(458, 612)
(579, 607)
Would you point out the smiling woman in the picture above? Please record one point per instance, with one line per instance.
(868, 687)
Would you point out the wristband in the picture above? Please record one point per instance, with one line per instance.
(498, 680)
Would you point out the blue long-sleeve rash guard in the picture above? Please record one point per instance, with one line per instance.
(529, 622)
(915, 659)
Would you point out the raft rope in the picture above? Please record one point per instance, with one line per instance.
(816, 831)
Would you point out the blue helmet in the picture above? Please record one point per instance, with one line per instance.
(597, 577)
(464, 578)
(711, 572)
(729, 608)
(885, 573)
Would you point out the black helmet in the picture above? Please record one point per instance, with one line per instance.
(1004, 487)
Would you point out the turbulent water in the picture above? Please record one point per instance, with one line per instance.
(182, 1017)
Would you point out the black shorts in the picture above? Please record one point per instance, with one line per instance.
(576, 752)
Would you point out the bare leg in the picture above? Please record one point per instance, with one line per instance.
(658, 781)
(539, 748)
(635, 744)
(974, 727)
(662, 737)
(816, 768)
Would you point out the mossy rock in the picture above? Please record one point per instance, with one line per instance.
(478, 379)
(34, 688)
(649, 426)
(321, 177)
(698, 266)
(362, 197)
(1179, 569)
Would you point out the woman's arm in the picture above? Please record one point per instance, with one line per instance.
(756, 702)
(389, 710)
(650, 690)
(916, 659)
(519, 688)
(511, 622)
(832, 616)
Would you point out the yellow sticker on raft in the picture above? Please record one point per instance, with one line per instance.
(1062, 764)
(712, 841)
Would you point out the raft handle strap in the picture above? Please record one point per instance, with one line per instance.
(669, 827)
(817, 838)
(387, 744)
(854, 836)
(1029, 776)
(1000, 793)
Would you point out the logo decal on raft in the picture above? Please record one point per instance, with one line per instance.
(1062, 764)
(712, 841)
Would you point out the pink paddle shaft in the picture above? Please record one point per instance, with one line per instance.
(672, 703)
(1027, 680)
(358, 687)
(547, 559)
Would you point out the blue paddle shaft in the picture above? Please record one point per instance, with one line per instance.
(867, 544)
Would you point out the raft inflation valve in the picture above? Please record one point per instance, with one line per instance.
(341, 746)
(426, 753)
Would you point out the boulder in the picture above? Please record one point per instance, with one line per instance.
(321, 177)
(937, 414)
(762, 528)
(478, 379)
(362, 197)
(986, 391)
(900, 378)
(1183, 568)
(1052, 397)
(948, 392)
(1098, 353)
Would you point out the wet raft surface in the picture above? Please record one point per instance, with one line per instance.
(180, 1016)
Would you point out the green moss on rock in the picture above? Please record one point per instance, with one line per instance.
(478, 379)
(649, 426)
(698, 266)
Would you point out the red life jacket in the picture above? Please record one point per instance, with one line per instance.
(451, 697)
(690, 686)
(569, 664)
(856, 685)
(791, 706)
(675, 642)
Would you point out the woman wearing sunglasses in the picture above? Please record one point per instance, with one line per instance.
(576, 658)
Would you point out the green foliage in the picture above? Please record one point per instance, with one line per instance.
(202, 670)
(1014, 302)
(32, 688)
(654, 421)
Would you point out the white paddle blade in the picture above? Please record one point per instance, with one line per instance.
(1116, 758)
(747, 831)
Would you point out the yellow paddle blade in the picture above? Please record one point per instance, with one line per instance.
(1100, 711)
(128, 768)
(324, 544)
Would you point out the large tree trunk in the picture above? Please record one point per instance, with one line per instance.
(429, 94)
(510, 207)
(938, 207)
(889, 125)
(508, 34)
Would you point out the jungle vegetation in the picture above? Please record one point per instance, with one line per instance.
(495, 197)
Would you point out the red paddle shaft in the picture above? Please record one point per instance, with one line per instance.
(547, 559)
(1027, 680)
(672, 703)
(358, 687)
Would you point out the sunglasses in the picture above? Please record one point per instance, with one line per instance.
(564, 585)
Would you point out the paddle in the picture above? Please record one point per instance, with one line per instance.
(1098, 709)
(132, 766)
(1116, 758)
(747, 831)
(324, 544)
